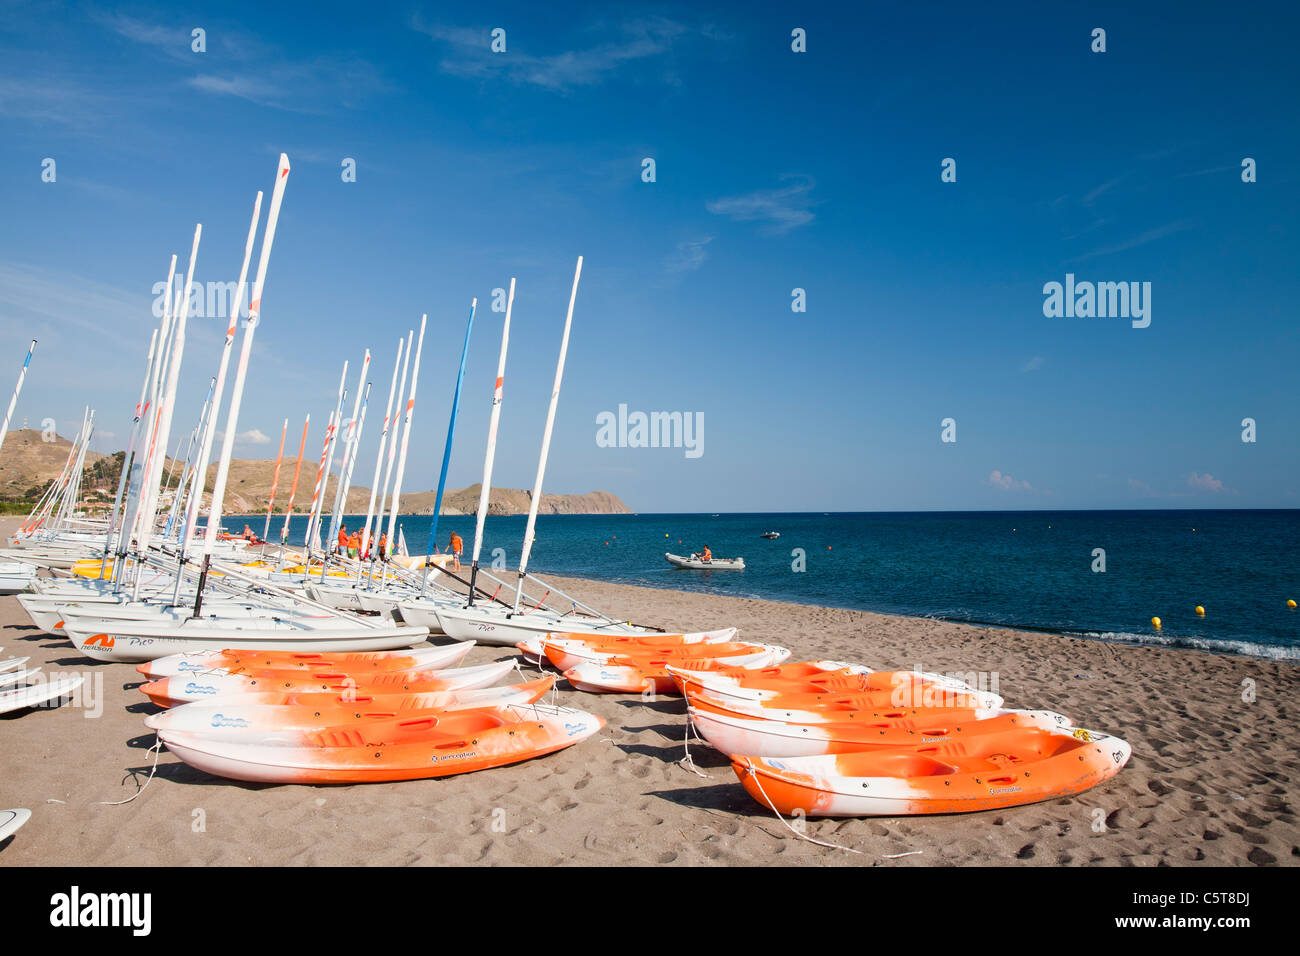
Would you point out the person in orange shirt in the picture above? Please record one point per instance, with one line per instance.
(456, 546)
(382, 547)
(706, 554)
(343, 539)
(354, 544)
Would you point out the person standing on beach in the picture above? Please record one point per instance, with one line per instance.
(343, 539)
(382, 547)
(455, 546)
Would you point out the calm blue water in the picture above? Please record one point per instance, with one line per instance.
(1029, 570)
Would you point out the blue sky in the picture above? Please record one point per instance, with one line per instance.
(775, 170)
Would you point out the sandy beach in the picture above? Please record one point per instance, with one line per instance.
(1211, 781)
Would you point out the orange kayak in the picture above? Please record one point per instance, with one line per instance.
(566, 654)
(732, 733)
(388, 749)
(982, 772)
(255, 661)
(178, 690)
(532, 647)
(820, 708)
(253, 716)
(638, 675)
(909, 688)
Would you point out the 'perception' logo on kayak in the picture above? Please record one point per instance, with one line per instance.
(193, 688)
(651, 430)
(221, 720)
(574, 729)
(75, 909)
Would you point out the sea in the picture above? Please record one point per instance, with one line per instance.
(1095, 574)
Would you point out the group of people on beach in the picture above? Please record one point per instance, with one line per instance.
(350, 544)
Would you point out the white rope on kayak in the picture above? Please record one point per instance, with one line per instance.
(156, 749)
(802, 836)
(688, 762)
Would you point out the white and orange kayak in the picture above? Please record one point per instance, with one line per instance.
(983, 772)
(522, 693)
(566, 654)
(908, 688)
(251, 716)
(820, 708)
(732, 733)
(391, 749)
(170, 691)
(356, 664)
(638, 675)
(532, 646)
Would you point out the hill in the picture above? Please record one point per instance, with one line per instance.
(28, 463)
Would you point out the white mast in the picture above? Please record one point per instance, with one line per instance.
(349, 442)
(315, 496)
(149, 413)
(130, 453)
(486, 491)
(406, 430)
(241, 373)
(195, 503)
(22, 376)
(293, 488)
(379, 457)
(546, 439)
(149, 493)
(327, 461)
(361, 423)
(392, 444)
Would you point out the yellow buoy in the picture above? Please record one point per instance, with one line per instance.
(1291, 602)
(1200, 611)
(1155, 622)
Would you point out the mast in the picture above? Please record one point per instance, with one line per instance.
(293, 488)
(392, 445)
(347, 474)
(187, 472)
(406, 430)
(349, 441)
(130, 454)
(241, 373)
(135, 480)
(149, 491)
(486, 490)
(22, 376)
(446, 452)
(323, 473)
(546, 439)
(379, 457)
(195, 503)
(315, 495)
(275, 482)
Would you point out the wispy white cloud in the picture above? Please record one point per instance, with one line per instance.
(265, 75)
(780, 210)
(1033, 365)
(469, 54)
(62, 100)
(689, 255)
(1151, 235)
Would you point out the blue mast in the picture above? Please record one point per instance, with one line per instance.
(451, 433)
